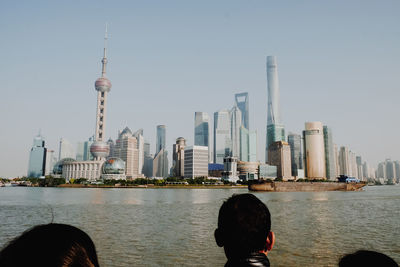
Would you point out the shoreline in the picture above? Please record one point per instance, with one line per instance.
(154, 186)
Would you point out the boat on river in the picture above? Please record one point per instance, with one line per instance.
(272, 186)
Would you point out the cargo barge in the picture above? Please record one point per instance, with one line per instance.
(268, 186)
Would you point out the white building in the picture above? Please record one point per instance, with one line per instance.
(222, 135)
(314, 151)
(196, 161)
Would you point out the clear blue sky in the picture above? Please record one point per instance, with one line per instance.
(338, 62)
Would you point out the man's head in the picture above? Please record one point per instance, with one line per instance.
(367, 258)
(244, 225)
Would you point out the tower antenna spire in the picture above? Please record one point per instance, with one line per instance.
(104, 60)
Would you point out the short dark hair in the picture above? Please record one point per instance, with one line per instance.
(367, 258)
(244, 223)
(50, 245)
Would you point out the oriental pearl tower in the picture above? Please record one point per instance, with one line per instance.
(99, 148)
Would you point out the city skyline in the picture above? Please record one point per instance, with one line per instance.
(337, 79)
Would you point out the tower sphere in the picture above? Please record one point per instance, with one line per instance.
(100, 149)
(103, 84)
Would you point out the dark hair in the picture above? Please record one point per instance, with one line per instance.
(50, 245)
(367, 258)
(244, 223)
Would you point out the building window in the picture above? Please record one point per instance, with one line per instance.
(102, 94)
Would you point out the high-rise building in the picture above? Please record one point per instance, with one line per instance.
(140, 146)
(179, 157)
(275, 128)
(86, 149)
(296, 154)
(80, 150)
(196, 161)
(37, 158)
(126, 149)
(51, 160)
(397, 170)
(242, 102)
(236, 123)
(381, 171)
(248, 145)
(160, 162)
(161, 135)
(344, 161)
(359, 167)
(330, 162)
(111, 144)
(66, 150)
(222, 136)
(279, 155)
(148, 160)
(202, 131)
(337, 167)
(100, 149)
(390, 171)
(314, 150)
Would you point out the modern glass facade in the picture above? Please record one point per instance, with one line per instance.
(161, 135)
(242, 102)
(66, 150)
(86, 149)
(248, 145)
(222, 135)
(330, 162)
(37, 158)
(236, 122)
(202, 131)
(275, 129)
(294, 141)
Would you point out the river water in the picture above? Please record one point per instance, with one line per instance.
(174, 227)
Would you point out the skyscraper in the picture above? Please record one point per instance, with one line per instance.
(140, 146)
(196, 161)
(344, 163)
(314, 150)
(37, 158)
(279, 155)
(148, 160)
(248, 145)
(161, 134)
(66, 150)
(275, 128)
(86, 147)
(236, 123)
(202, 130)
(330, 161)
(296, 154)
(126, 149)
(222, 135)
(179, 157)
(99, 149)
(160, 162)
(242, 102)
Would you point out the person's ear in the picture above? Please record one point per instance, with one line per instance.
(218, 237)
(270, 241)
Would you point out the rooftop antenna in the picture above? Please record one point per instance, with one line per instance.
(104, 61)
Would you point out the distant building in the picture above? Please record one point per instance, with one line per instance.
(179, 157)
(126, 149)
(279, 155)
(80, 150)
(140, 147)
(267, 171)
(344, 161)
(148, 160)
(275, 128)
(242, 102)
(247, 170)
(222, 135)
(314, 150)
(90, 170)
(248, 145)
(230, 170)
(51, 160)
(296, 154)
(202, 131)
(113, 169)
(86, 149)
(196, 161)
(236, 123)
(66, 150)
(215, 169)
(37, 158)
(330, 162)
(111, 144)
(161, 136)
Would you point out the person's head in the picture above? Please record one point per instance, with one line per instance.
(367, 258)
(244, 226)
(50, 245)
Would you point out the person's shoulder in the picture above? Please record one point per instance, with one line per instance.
(254, 259)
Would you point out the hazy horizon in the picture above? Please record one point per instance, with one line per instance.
(338, 63)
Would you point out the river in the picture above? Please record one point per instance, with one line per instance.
(175, 227)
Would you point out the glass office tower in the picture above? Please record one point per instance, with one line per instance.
(222, 135)
(202, 131)
(242, 102)
(37, 158)
(275, 129)
(330, 161)
(294, 141)
(161, 133)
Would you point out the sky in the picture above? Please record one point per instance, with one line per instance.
(338, 62)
